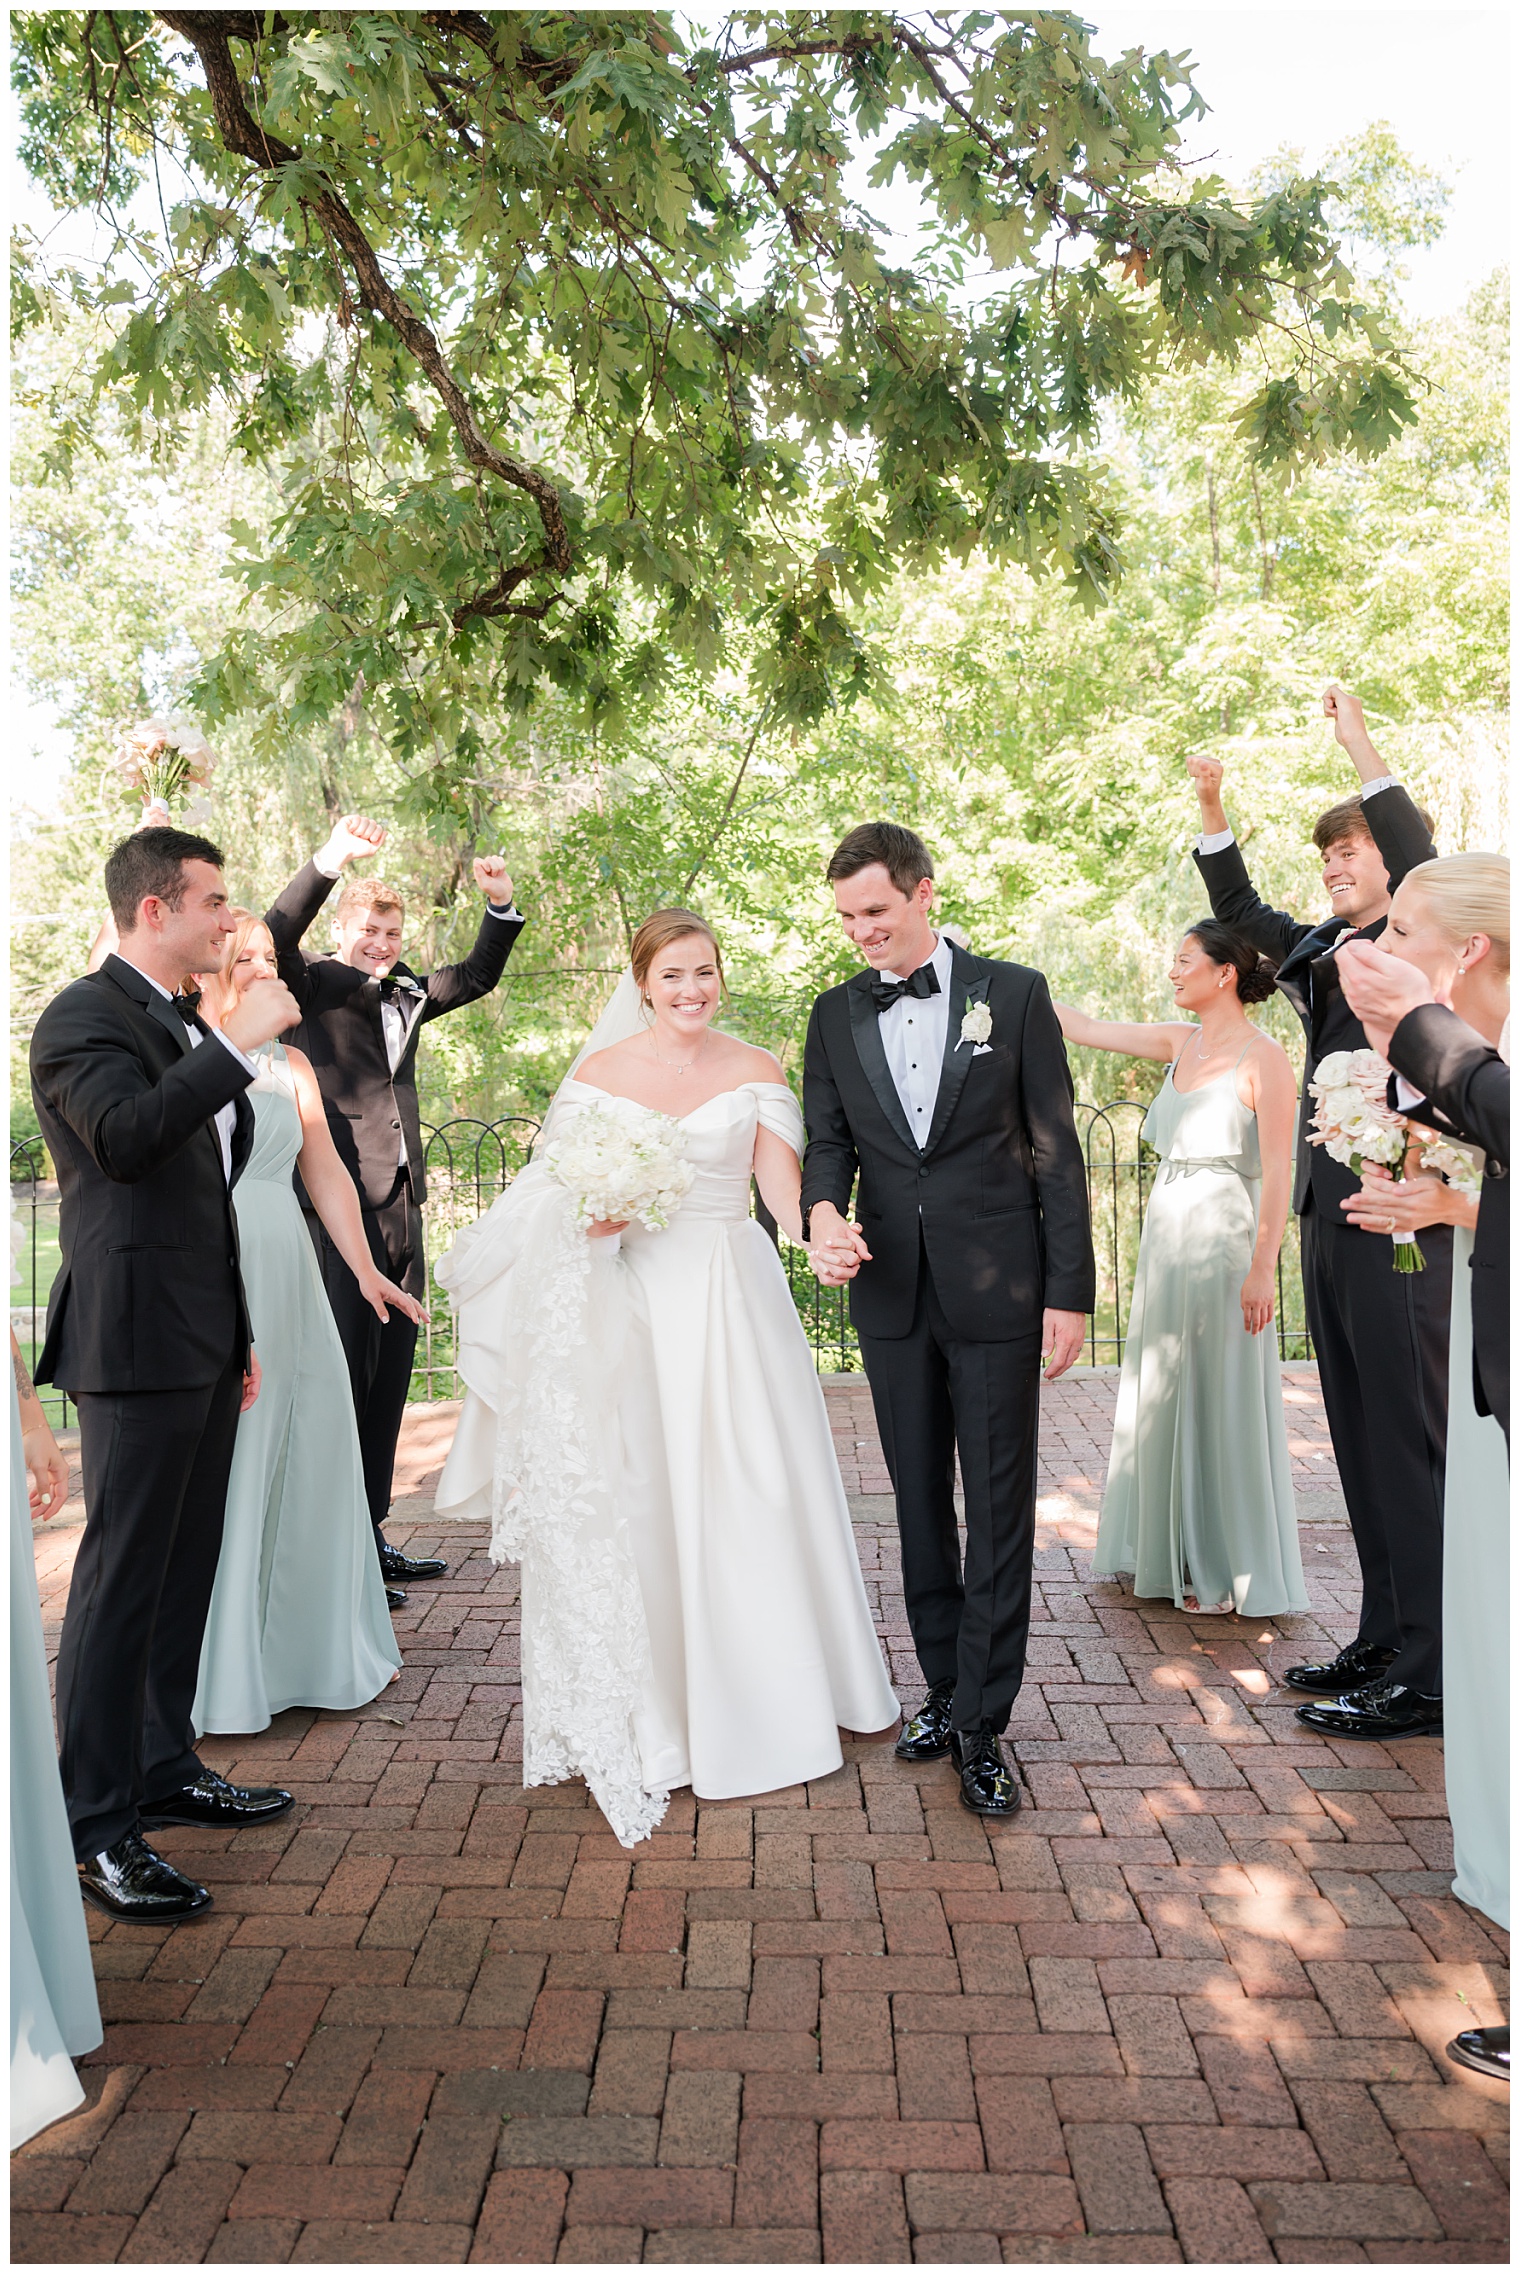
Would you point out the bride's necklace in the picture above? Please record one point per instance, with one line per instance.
(671, 1065)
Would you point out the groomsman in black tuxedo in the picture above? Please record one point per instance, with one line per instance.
(1380, 1337)
(939, 1080)
(141, 1107)
(362, 1010)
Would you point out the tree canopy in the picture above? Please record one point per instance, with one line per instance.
(582, 362)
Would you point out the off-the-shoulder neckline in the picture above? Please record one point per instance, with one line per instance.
(778, 1089)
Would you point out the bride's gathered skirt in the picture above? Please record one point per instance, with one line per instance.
(723, 1495)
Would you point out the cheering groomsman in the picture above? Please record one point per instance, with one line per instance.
(362, 1011)
(1380, 1337)
(141, 1107)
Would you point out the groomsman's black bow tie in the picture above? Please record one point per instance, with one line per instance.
(187, 1002)
(886, 992)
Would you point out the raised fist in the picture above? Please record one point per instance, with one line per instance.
(491, 875)
(353, 839)
(1207, 774)
(1346, 710)
(265, 1009)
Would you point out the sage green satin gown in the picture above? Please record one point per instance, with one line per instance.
(1199, 1497)
(54, 2011)
(298, 1613)
(1475, 1622)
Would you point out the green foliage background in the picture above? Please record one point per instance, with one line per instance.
(1037, 747)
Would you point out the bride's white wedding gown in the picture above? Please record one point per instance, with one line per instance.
(644, 1422)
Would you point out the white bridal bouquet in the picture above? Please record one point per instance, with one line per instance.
(618, 1170)
(1355, 1123)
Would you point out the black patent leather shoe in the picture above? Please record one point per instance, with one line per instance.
(927, 1736)
(396, 1566)
(1382, 1710)
(130, 1881)
(1352, 1669)
(988, 1784)
(1486, 2050)
(212, 1800)
(395, 1597)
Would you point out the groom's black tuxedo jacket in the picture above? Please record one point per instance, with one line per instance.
(1306, 971)
(999, 1189)
(149, 1296)
(368, 1107)
(1465, 1085)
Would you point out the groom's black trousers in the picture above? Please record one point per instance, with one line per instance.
(156, 1464)
(1381, 1339)
(379, 1357)
(935, 1393)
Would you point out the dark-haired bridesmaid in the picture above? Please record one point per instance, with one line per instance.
(1199, 1499)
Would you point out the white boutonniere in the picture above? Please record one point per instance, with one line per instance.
(976, 1026)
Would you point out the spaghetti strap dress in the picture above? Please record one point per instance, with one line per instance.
(1199, 1496)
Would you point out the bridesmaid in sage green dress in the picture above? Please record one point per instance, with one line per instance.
(298, 1612)
(54, 2011)
(1199, 1499)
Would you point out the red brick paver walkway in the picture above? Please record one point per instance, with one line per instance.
(1191, 2004)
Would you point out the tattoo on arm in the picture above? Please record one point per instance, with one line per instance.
(24, 1388)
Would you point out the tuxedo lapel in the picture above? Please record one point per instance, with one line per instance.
(968, 982)
(865, 1022)
(147, 997)
(412, 1001)
(242, 1134)
(369, 996)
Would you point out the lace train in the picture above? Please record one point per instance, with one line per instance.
(585, 1638)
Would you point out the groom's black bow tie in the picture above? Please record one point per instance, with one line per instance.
(886, 992)
(187, 1002)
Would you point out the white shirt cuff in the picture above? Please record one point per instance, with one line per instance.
(1215, 840)
(511, 910)
(241, 1056)
(1383, 782)
(332, 870)
(1406, 1093)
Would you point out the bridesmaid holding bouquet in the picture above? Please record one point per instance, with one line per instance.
(1199, 1499)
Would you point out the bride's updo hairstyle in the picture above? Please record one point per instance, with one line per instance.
(656, 934)
(1255, 977)
(1463, 894)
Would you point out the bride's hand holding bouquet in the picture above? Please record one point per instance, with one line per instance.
(618, 1171)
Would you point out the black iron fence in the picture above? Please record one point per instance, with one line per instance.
(470, 1162)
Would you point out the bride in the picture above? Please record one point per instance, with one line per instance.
(644, 1425)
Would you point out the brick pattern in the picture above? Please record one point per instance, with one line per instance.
(1190, 2005)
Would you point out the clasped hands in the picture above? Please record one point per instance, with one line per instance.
(836, 1249)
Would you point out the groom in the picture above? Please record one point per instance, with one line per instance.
(940, 1079)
